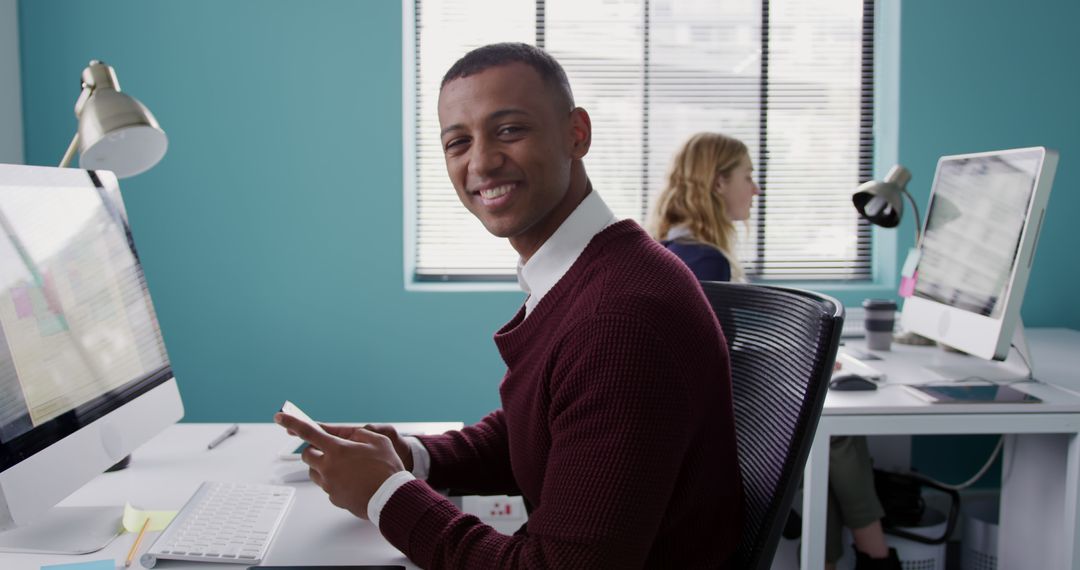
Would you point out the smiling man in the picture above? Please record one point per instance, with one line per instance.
(616, 423)
(516, 160)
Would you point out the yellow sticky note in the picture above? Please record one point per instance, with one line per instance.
(134, 519)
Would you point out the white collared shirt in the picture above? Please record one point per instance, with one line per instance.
(536, 277)
(679, 232)
(554, 258)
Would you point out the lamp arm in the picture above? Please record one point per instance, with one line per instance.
(918, 217)
(66, 160)
(88, 86)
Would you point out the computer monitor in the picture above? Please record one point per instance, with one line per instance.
(84, 375)
(977, 247)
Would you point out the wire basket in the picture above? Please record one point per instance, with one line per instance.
(980, 546)
(917, 555)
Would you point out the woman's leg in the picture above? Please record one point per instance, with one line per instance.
(870, 539)
(851, 481)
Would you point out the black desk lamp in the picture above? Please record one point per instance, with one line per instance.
(881, 204)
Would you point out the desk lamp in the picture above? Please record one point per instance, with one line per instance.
(116, 132)
(881, 203)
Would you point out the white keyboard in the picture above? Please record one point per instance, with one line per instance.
(223, 522)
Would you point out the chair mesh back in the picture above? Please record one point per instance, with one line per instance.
(783, 344)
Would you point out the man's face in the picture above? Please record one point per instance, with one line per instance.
(509, 141)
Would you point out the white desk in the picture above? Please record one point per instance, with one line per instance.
(1040, 498)
(1040, 494)
(166, 471)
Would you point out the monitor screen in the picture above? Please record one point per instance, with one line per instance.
(973, 229)
(78, 333)
(985, 214)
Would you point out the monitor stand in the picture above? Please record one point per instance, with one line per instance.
(1016, 367)
(66, 530)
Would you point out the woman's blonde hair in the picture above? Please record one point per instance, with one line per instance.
(689, 200)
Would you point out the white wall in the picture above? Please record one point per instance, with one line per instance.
(11, 126)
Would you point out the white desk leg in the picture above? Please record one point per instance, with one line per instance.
(1072, 502)
(815, 503)
(1038, 483)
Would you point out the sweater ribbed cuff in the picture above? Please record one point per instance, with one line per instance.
(415, 518)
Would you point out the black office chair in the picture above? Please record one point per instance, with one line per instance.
(783, 344)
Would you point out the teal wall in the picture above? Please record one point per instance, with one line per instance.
(982, 75)
(272, 231)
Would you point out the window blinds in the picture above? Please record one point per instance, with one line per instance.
(793, 79)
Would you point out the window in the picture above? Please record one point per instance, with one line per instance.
(793, 79)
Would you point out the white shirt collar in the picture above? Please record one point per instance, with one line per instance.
(678, 232)
(554, 258)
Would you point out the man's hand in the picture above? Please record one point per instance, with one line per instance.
(403, 450)
(349, 463)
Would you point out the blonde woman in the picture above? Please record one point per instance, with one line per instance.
(710, 188)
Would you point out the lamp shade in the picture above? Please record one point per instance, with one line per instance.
(118, 133)
(881, 202)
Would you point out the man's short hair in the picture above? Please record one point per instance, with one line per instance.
(495, 55)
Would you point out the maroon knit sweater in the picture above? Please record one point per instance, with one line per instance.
(616, 428)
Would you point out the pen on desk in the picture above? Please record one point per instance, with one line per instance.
(138, 540)
(229, 432)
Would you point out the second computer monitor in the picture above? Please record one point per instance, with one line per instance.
(982, 226)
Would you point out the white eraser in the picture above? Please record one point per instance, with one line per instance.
(291, 473)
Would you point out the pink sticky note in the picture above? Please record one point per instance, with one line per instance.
(907, 285)
(21, 297)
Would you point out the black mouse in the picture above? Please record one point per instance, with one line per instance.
(846, 382)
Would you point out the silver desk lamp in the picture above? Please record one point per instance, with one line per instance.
(116, 132)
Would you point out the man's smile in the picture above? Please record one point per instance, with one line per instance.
(494, 194)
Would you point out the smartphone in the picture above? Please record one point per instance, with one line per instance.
(294, 411)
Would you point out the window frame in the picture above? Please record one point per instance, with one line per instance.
(886, 65)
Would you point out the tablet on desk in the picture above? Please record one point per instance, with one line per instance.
(978, 394)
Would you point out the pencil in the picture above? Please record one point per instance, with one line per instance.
(138, 540)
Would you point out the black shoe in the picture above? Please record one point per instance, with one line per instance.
(792, 526)
(864, 562)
